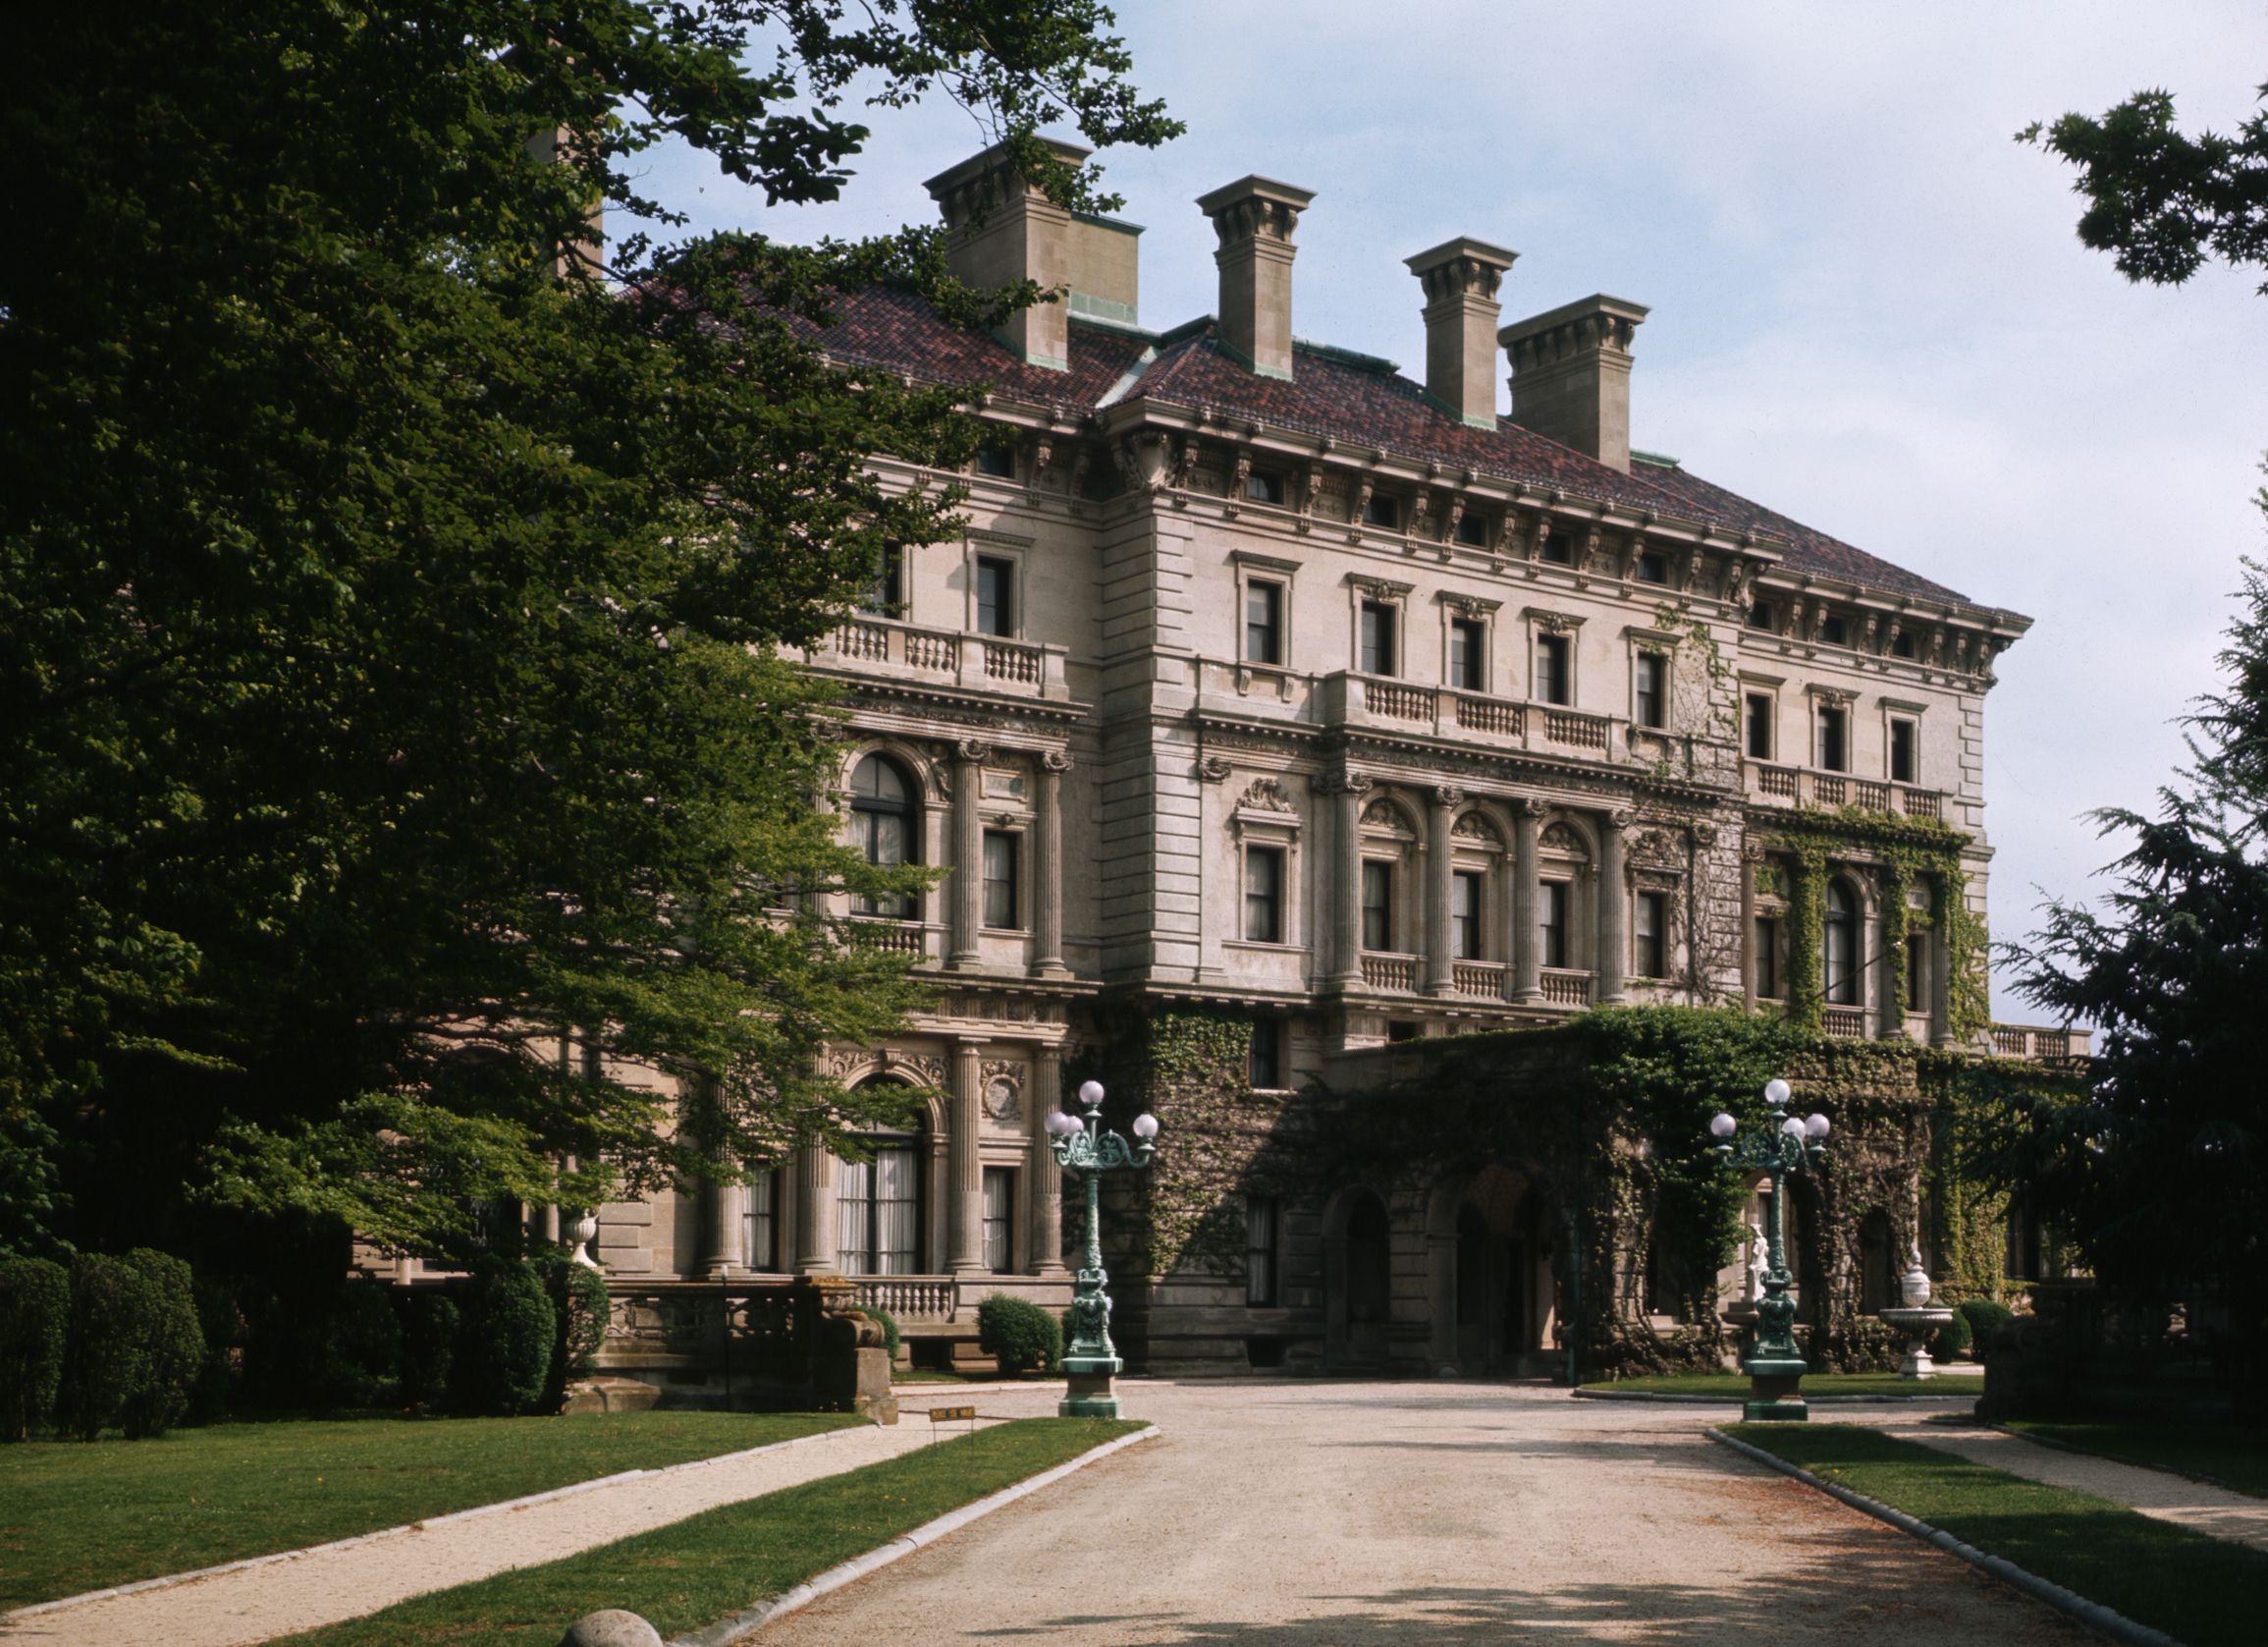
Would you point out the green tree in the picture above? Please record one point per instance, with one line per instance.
(2161, 1172)
(2159, 200)
(394, 584)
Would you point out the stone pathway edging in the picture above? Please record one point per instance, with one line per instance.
(1671, 1397)
(732, 1628)
(500, 1508)
(2093, 1613)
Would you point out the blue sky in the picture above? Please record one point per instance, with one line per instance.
(1869, 307)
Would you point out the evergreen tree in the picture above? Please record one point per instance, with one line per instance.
(393, 584)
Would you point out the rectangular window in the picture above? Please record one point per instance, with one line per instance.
(1263, 1066)
(1650, 928)
(1556, 547)
(1468, 654)
(1264, 486)
(1000, 1219)
(886, 594)
(1263, 622)
(1000, 881)
(1264, 894)
(998, 458)
(761, 1251)
(996, 596)
(1767, 957)
(1652, 690)
(1464, 915)
(1762, 615)
(1916, 973)
(1472, 531)
(1652, 567)
(1260, 1249)
(1759, 726)
(1378, 638)
(1902, 761)
(1835, 632)
(1382, 511)
(1834, 739)
(1902, 645)
(878, 1213)
(1552, 685)
(1551, 921)
(1377, 906)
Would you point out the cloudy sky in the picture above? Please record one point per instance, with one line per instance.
(1869, 307)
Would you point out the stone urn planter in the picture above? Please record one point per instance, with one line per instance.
(1917, 1321)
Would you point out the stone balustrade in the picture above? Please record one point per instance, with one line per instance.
(868, 646)
(1797, 786)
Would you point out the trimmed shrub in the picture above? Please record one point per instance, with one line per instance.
(173, 1344)
(362, 1349)
(430, 1323)
(222, 1323)
(1952, 1338)
(504, 1344)
(103, 1354)
(888, 1324)
(1018, 1333)
(579, 1310)
(35, 1305)
(1987, 1318)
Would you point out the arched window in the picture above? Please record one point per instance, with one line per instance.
(877, 1222)
(1840, 942)
(884, 822)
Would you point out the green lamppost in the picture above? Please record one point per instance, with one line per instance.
(1776, 1366)
(1084, 1148)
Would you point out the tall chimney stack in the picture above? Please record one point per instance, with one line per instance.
(1004, 228)
(1254, 218)
(1571, 375)
(1461, 278)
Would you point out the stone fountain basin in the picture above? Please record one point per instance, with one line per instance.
(1917, 1323)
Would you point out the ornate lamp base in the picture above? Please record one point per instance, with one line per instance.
(1775, 1390)
(1090, 1395)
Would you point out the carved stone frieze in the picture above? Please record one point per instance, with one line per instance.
(1265, 795)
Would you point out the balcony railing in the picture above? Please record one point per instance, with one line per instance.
(1483, 980)
(1566, 986)
(892, 937)
(886, 646)
(2016, 1040)
(1797, 785)
(1354, 698)
(1395, 972)
(912, 1299)
(1846, 1023)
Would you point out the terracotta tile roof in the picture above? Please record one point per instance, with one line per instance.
(1333, 396)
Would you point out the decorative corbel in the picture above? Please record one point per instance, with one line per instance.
(1359, 501)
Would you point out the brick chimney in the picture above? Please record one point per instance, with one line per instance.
(1254, 218)
(1461, 278)
(1571, 375)
(1003, 229)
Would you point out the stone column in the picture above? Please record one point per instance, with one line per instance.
(720, 1240)
(1048, 867)
(1613, 909)
(1753, 965)
(968, 879)
(815, 1210)
(1043, 1199)
(965, 1165)
(1527, 901)
(1441, 952)
(1941, 963)
(1345, 887)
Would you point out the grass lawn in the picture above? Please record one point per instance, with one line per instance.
(695, 1571)
(2234, 1455)
(2199, 1591)
(76, 1516)
(1735, 1386)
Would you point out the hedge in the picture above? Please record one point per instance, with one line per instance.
(34, 1308)
(503, 1345)
(1018, 1333)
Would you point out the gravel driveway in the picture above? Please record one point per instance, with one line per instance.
(1423, 1515)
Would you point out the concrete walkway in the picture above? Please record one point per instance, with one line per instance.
(322, 1586)
(2212, 1511)
(1330, 1515)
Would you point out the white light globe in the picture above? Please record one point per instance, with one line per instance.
(1723, 1125)
(1792, 1128)
(1060, 1125)
(1777, 1092)
(1091, 1093)
(1815, 1126)
(1146, 1127)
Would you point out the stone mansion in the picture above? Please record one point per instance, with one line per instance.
(1270, 680)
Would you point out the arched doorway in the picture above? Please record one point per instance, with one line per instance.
(1504, 1262)
(1368, 1279)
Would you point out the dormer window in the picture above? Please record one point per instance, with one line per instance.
(1652, 567)
(1264, 486)
(1382, 511)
